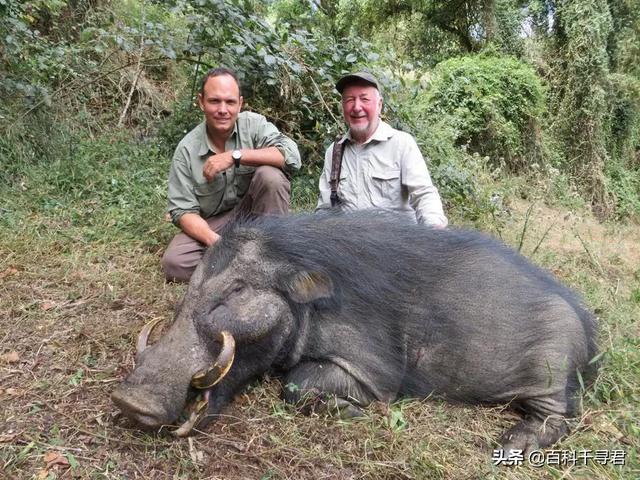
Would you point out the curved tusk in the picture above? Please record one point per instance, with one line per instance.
(199, 410)
(144, 335)
(208, 378)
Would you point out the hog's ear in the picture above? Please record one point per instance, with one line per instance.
(305, 287)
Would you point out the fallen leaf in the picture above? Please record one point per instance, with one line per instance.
(46, 306)
(10, 357)
(7, 272)
(52, 458)
(42, 474)
(8, 437)
(49, 456)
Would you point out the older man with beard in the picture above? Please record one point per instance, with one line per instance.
(380, 167)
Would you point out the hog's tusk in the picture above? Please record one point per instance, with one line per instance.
(199, 409)
(144, 335)
(208, 378)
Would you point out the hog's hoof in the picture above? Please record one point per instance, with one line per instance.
(530, 434)
(342, 408)
(314, 401)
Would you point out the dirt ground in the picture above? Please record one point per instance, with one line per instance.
(69, 316)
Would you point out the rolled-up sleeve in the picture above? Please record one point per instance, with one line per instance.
(267, 135)
(181, 196)
(423, 195)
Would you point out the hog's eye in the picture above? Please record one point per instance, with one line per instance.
(236, 287)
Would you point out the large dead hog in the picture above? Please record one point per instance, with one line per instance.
(362, 307)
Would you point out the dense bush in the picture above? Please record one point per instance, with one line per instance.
(622, 133)
(494, 105)
(580, 86)
(287, 71)
(80, 72)
(623, 120)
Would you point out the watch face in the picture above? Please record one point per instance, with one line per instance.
(236, 154)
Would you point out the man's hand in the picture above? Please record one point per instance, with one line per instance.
(212, 239)
(216, 164)
(196, 227)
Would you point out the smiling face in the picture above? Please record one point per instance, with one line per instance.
(361, 107)
(220, 102)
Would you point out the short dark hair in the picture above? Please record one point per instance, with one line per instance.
(217, 72)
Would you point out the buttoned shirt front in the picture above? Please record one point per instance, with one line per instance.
(189, 191)
(386, 172)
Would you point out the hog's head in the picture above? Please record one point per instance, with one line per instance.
(240, 314)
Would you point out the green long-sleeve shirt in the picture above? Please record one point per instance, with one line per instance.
(189, 191)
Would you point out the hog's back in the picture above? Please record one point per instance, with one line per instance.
(491, 326)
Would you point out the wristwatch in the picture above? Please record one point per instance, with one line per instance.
(236, 155)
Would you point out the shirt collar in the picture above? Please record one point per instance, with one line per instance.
(205, 146)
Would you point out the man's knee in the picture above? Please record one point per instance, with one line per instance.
(270, 178)
(173, 269)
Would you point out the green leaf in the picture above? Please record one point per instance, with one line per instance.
(351, 58)
(72, 460)
(77, 377)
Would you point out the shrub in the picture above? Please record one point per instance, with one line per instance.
(494, 104)
(623, 119)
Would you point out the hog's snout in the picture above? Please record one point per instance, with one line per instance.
(142, 405)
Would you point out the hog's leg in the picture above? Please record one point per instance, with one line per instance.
(544, 424)
(323, 386)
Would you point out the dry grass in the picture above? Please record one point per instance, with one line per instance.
(69, 314)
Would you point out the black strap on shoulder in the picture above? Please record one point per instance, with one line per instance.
(336, 166)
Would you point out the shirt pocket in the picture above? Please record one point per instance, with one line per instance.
(385, 188)
(346, 191)
(242, 178)
(210, 195)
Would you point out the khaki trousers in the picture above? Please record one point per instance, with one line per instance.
(268, 194)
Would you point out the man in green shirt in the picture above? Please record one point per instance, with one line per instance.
(232, 163)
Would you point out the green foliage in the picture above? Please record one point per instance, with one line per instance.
(106, 188)
(109, 61)
(73, 71)
(396, 420)
(624, 40)
(86, 87)
(493, 104)
(623, 119)
(304, 188)
(399, 27)
(580, 93)
(184, 117)
(466, 181)
(287, 73)
(431, 31)
(624, 183)
(30, 61)
(508, 35)
(622, 124)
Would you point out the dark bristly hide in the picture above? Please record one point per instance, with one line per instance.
(368, 306)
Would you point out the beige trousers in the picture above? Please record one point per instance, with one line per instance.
(268, 194)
